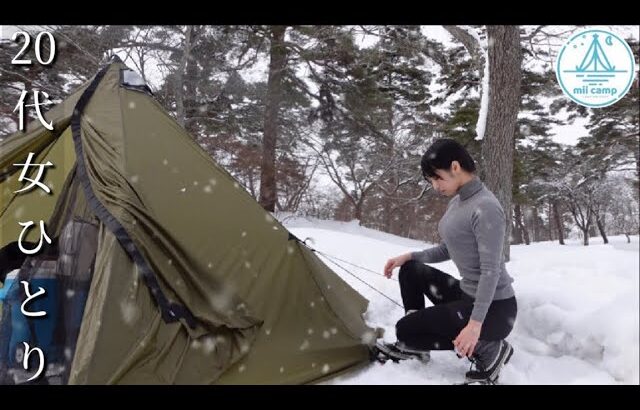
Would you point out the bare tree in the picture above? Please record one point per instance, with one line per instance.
(278, 56)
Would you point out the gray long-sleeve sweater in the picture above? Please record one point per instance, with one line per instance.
(472, 230)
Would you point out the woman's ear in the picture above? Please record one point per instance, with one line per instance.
(455, 167)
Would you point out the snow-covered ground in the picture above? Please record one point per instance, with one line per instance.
(578, 307)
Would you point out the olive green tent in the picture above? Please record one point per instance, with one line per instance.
(191, 280)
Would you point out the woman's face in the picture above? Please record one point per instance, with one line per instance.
(445, 183)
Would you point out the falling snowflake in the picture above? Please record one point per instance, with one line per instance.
(68, 353)
(244, 348)
(313, 365)
(268, 218)
(165, 162)
(282, 369)
(290, 249)
(207, 189)
(209, 265)
(244, 233)
(19, 212)
(326, 334)
(70, 293)
(195, 183)
(247, 265)
(312, 304)
(369, 337)
(134, 179)
(333, 330)
(183, 190)
(236, 185)
(170, 262)
(213, 182)
(304, 345)
(433, 289)
(267, 332)
(325, 368)
(130, 312)
(310, 331)
(132, 105)
(242, 368)
(221, 300)
(209, 344)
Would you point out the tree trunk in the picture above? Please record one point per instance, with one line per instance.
(189, 81)
(550, 221)
(516, 234)
(601, 228)
(536, 230)
(357, 210)
(585, 239)
(504, 59)
(179, 77)
(387, 200)
(277, 64)
(559, 227)
(519, 228)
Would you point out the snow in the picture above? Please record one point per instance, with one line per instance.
(484, 100)
(578, 307)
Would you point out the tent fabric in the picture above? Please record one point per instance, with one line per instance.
(177, 234)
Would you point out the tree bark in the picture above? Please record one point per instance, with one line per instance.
(519, 228)
(179, 77)
(536, 230)
(505, 60)
(601, 228)
(559, 226)
(550, 221)
(585, 237)
(277, 64)
(358, 211)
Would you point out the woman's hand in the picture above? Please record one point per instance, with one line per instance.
(395, 263)
(467, 339)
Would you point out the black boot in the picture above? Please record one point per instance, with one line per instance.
(489, 357)
(399, 351)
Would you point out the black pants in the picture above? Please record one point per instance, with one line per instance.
(435, 327)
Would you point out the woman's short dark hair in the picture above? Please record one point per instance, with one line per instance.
(441, 154)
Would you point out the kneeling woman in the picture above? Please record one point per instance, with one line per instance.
(474, 315)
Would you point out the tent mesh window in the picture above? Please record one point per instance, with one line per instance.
(64, 270)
